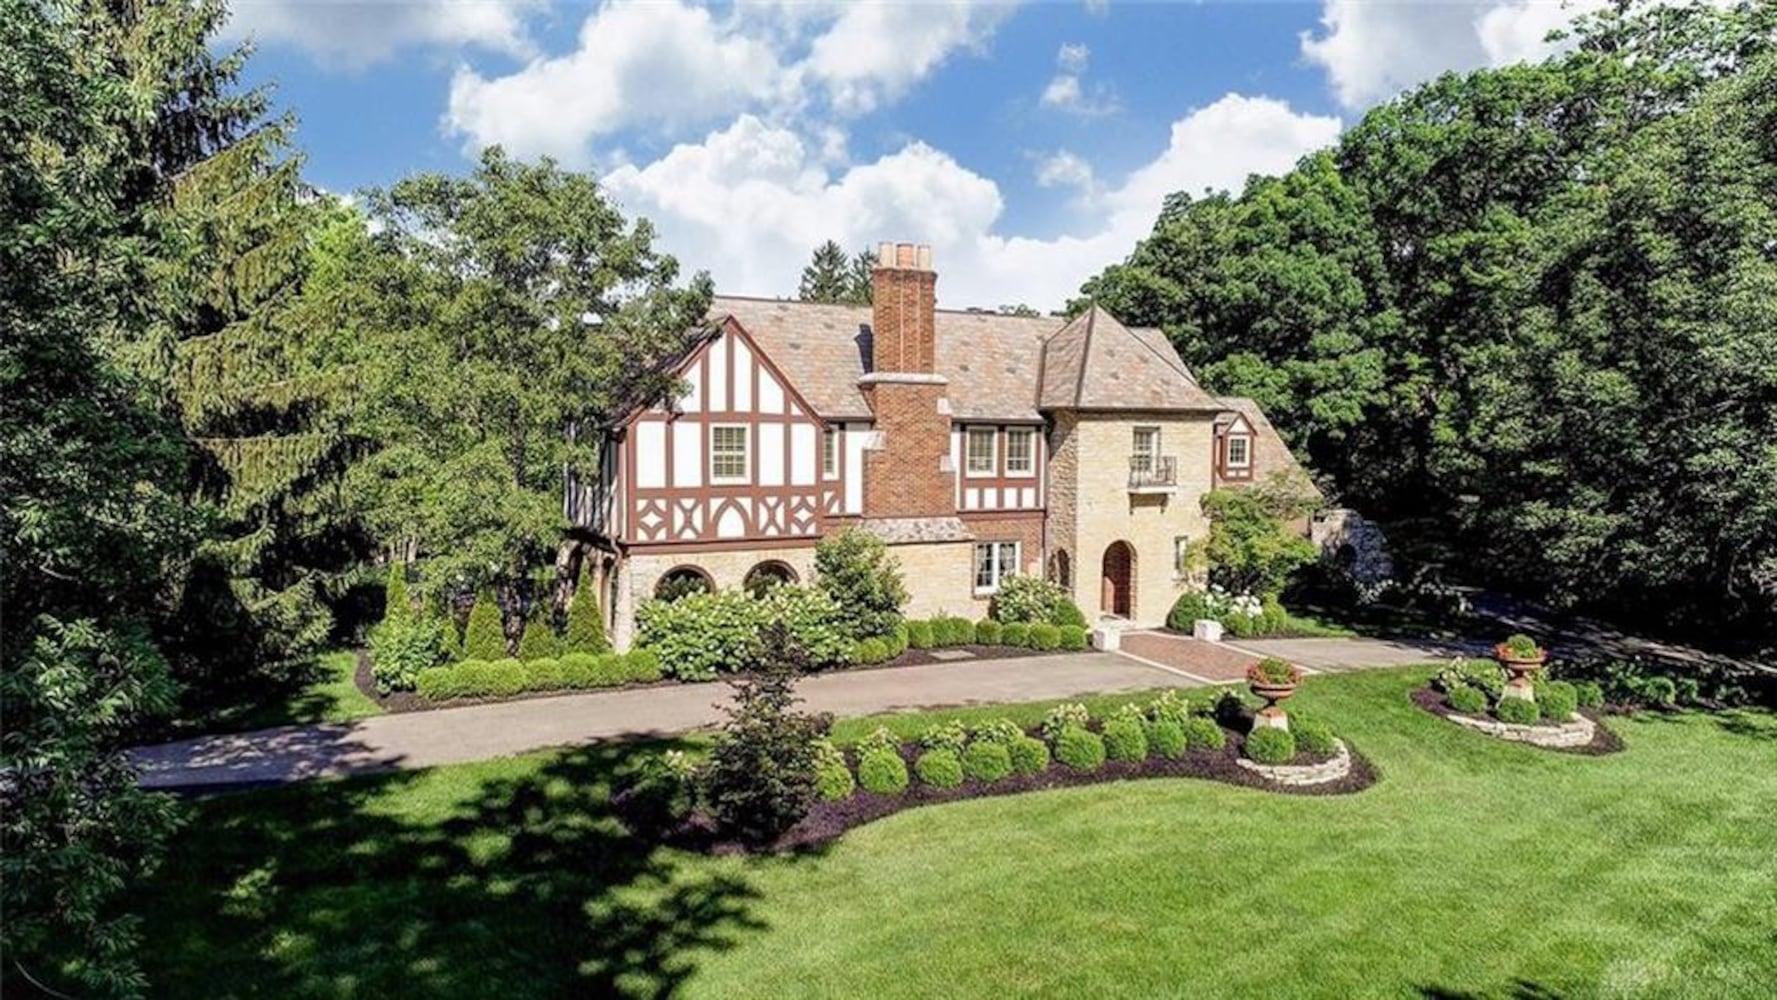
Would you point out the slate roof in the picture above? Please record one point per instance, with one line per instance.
(997, 365)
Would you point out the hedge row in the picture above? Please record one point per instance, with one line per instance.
(950, 631)
(505, 678)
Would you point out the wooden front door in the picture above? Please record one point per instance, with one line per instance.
(1119, 564)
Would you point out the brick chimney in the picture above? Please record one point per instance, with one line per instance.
(909, 472)
(903, 289)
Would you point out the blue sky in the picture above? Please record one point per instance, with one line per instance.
(1030, 144)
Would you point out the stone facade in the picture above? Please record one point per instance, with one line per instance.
(1091, 506)
(640, 573)
(937, 576)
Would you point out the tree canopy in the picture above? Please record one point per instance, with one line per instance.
(835, 278)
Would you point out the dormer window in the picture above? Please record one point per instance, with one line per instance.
(1240, 451)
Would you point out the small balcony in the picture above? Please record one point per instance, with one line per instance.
(1153, 473)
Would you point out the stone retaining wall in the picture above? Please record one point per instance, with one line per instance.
(1305, 774)
(1576, 732)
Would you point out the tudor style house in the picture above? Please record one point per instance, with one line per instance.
(976, 445)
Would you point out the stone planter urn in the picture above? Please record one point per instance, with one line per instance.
(1273, 680)
(1521, 658)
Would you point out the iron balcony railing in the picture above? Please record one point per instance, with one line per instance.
(1152, 471)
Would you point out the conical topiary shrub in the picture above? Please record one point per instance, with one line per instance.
(397, 606)
(586, 621)
(485, 638)
(538, 642)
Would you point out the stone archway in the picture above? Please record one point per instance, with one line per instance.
(1118, 590)
(766, 575)
(681, 581)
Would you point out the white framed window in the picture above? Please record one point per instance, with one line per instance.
(1240, 451)
(979, 448)
(1144, 449)
(1181, 556)
(830, 453)
(1021, 452)
(729, 458)
(994, 562)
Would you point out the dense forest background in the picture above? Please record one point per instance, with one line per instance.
(1527, 316)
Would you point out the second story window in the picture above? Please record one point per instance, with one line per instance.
(1144, 451)
(830, 453)
(1021, 451)
(1240, 453)
(728, 454)
(980, 451)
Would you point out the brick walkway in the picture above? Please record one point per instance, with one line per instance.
(1208, 662)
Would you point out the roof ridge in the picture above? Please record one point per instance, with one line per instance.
(1085, 353)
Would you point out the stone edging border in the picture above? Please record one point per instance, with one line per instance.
(1583, 734)
(1299, 775)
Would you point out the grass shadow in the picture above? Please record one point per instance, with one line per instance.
(1521, 990)
(436, 885)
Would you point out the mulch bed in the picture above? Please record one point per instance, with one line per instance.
(1603, 740)
(827, 821)
(921, 657)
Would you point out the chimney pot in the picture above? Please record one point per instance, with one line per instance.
(903, 290)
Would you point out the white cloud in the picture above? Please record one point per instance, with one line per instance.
(1372, 51)
(749, 201)
(356, 33)
(1098, 8)
(1065, 92)
(1064, 169)
(670, 65)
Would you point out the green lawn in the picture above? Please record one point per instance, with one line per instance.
(1475, 868)
(323, 692)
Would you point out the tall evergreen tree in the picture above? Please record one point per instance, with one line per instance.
(827, 278)
(861, 283)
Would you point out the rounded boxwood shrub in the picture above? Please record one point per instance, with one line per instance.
(1312, 735)
(609, 670)
(896, 640)
(871, 651)
(882, 771)
(832, 779)
(939, 768)
(543, 675)
(1558, 700)
(577, 670)
(1044, 636)
(474, 679)
(987, 761)
(1269, 745)
(1125, 738)
(1015, 634)
(505, 678)
(641, 666)
(1080, 748)
(1659, 691)
(919, 635)
(1166, 737)
(1073, 637)
(1202, 733)
(987, 632)
(1029, 755)
(436, 683)
(1067, 614)
(962, 631)
(1589, 695)
(1517, 711)
(1466, 699)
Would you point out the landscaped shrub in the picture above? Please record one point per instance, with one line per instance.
(397, 605)
(436, 683)
(538, 641)
(400, 649)
(761, 775)
(1466, 699)
(1229, 709)
(896, 640)
(505, 678)
(485, 636)
(586, 621)
(1269, 745)
(833, 780)
(919, 635)
(1168, 706)
(1191, 606)
(1015, 634)
(882, 771)
(1080, 748)
(1484, 675)
(701, 635)
(544, 675)
(578, 670)
(1003, 731)
(1203, 734)
(939, 768)
(987, 761)
(1589, 694)
(1062, 717)
(958, 631)
(609, 670)
(1073, 637)
(1519, 646)
(475, 679)
(640, 666)
(987, 632)
(1028, 599)
(1312, 735)
(872, 651)
(1029, 755)
(1660, 691)
(880, 738)
(855, 570)
(1557, 701)
(1067, 614)
(1044, 637)
(663, 793)
(1518, 711)
(1251, 547)
(1125, 737)
(951, 736)
(1166, 737)
(815, 623)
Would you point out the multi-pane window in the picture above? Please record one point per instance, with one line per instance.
(1181, 556)
(1239, 451)
(1144, 449)
(830, 452)
(1021, 451)
(980, 447)
(728, 454)
(994, 562)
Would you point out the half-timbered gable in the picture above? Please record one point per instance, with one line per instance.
(1002, 466)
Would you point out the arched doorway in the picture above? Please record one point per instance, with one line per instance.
(772, 573)
(1119, 580)
(681, 581)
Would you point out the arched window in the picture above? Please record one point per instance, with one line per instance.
(767, 575)
(681, 581)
